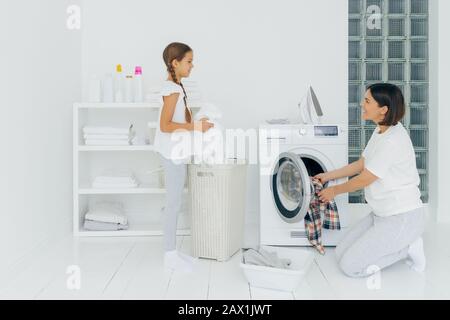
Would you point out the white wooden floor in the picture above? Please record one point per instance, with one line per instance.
(132, 268)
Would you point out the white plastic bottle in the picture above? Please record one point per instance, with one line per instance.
(108, 92)
(128, 96)
(138, 93)
(118, 84)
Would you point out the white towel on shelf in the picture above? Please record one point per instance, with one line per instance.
(139, 141)
(107, 212)
(103, 226)
(102, 179)
(115, 179)
(107, 130)
(154, 98)
(91, 136)
(106, 142)
(117, 173)
(105, 185)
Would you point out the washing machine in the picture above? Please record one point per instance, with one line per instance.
(288, 156)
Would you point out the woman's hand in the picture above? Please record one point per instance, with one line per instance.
(323, 177)
(326, 195)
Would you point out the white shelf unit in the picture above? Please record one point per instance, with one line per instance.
(142, 204)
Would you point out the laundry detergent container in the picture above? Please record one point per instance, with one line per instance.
(217, 200)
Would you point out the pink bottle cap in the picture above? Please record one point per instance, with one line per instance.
(138, 70)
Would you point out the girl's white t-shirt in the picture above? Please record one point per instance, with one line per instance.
(391, 157)
(175, 145)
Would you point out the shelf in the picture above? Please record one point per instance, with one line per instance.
(124, 105)
(116, 148)
(103, 105)
(137, 197)
(133, 231)
(139, 190)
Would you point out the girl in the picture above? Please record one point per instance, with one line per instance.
(175, 115)
(387, 172)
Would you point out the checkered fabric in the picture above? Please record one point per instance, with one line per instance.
(313, 218)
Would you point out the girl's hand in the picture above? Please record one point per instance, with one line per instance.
(203, 125)
(323, 177)
(326, 195)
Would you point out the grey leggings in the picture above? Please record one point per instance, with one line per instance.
(377, 242)
(175, 177)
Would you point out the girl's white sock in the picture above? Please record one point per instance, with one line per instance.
(188, 258)
(416, 255)
(173, 260)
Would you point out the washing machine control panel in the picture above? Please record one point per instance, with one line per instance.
(326, 131)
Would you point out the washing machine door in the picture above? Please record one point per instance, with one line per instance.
(291, 187)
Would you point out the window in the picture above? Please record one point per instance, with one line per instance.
(388, 42)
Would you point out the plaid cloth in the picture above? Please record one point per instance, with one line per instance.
(313, 218)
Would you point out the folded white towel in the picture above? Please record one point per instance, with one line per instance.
(107, 130)
(113, 172)
(107, 142)
(103, 226)
(138, 141)
(90, 136)
(210, 111)
(110, 185)
(115, 179)
(106, 212)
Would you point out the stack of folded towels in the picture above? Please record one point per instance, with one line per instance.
(154, 97)
(106, 216)
(108, 136)
(115, 179)
(194, 95)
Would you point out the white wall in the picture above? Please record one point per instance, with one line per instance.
(40, 79)
(252, 58)
(440, 130)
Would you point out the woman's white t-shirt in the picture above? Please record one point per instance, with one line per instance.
(174, 145)
(390, 156)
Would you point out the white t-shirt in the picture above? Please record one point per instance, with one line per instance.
(390, 156)
(174, 145)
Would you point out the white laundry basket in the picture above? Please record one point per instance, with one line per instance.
(217, 199)
(277, 278)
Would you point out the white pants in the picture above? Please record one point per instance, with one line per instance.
(377, 242)
(175, 177)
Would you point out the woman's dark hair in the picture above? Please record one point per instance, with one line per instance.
(389, 95)
(177, 50)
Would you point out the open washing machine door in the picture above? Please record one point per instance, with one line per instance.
(291, 187)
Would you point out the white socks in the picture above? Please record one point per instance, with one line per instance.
(179, 261)
(416, 256)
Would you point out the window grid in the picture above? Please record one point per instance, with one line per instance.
(398, 54)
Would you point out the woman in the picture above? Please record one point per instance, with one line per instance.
(387, 172)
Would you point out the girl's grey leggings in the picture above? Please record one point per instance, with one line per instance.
(377, 242)
(175, 177)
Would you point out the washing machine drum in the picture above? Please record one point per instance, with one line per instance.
(291, 187)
